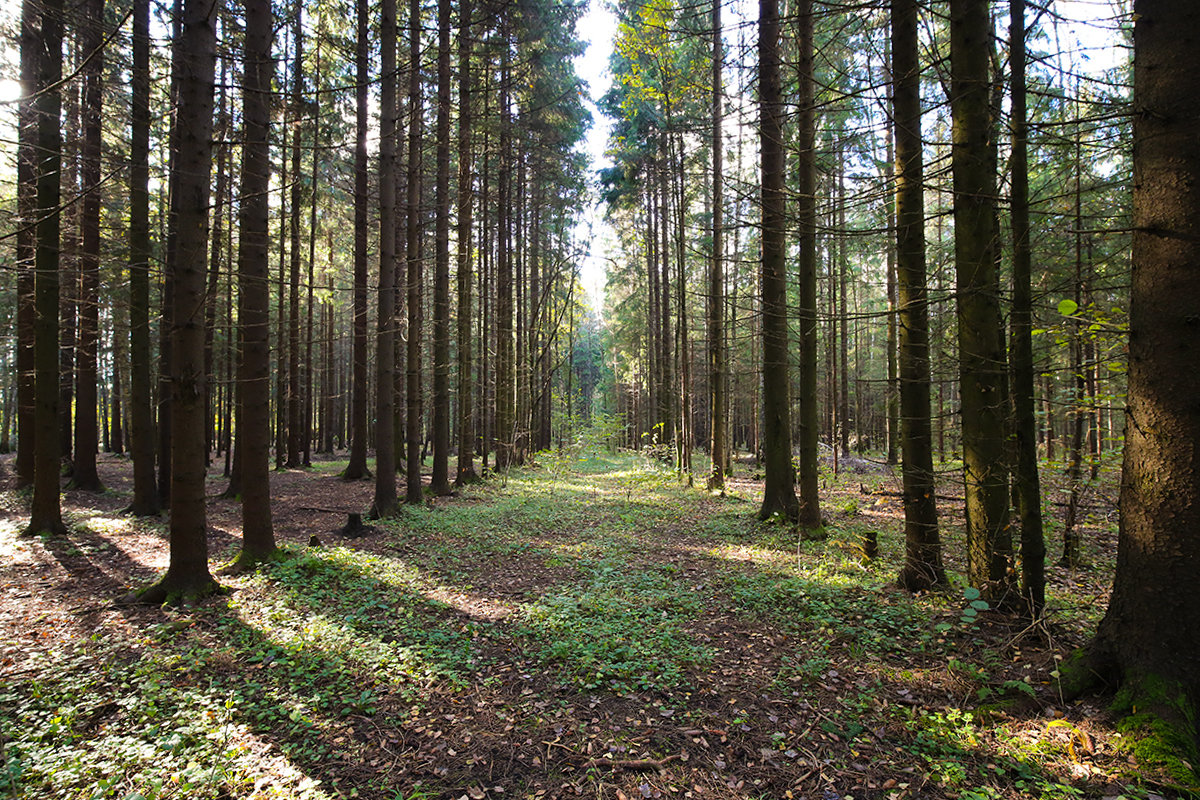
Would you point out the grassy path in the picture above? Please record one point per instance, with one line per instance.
(594, 632)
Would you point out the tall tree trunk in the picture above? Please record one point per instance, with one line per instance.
(981, 353)
(1025, 479)
(809, 514)
(413, 437)
(27, 163)
(141, 405)
(440, 481)
(187, 576)
(295, 402)
(466, 419)
(309, 369)
(86, 423)
(505, 372)
(220, 209)
(718, 367)
(46, 510)
(384, 504)
(923, 549)
(167, 309)
(69, 246)
(1146, 642)
(779, 495)
(892, 394)
(357, 468)
(843, 322)
(254, 295)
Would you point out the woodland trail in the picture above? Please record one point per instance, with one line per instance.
(584, 629)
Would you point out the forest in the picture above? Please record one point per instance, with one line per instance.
(806, 408)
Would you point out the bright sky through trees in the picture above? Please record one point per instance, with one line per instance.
(1089, 39)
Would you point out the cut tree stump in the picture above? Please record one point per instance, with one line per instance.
(354, 528)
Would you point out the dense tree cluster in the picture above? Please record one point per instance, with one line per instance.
(259, 173)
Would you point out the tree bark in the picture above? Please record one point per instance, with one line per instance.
(46, 510)
(27, 136)
(466, 417)
(188, 577)
(922, 545)
(85, 475)
(1147, 639)
(254, 297)
(141, 406)
(384, 503)
(413, 438)
(295, 400)
(779, 494)
(357, 468)
(440, 480)
(1025, 479)
(718, 375)
(981, 352)
(809, 514)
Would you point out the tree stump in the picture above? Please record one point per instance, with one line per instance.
(354, 527)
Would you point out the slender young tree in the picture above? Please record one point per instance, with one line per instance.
(779, 495)
(141, 408)
(923, 551)
(46, 509)
(254, 294)
(188, 576)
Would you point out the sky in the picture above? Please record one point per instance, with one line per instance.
(599, 28)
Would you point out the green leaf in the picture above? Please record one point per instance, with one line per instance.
(1067, 307)
(981, 605)
(971, 593)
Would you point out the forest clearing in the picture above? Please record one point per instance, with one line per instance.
(586, 628)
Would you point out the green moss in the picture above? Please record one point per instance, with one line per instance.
(1156, 744)
(1077, 675)
(1159, 726)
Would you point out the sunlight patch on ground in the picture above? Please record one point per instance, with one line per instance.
(13, 549)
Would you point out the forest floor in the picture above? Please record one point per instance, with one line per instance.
(587, 628)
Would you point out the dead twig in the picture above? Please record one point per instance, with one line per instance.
(632, 764)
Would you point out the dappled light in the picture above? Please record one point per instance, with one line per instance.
(556, 633)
